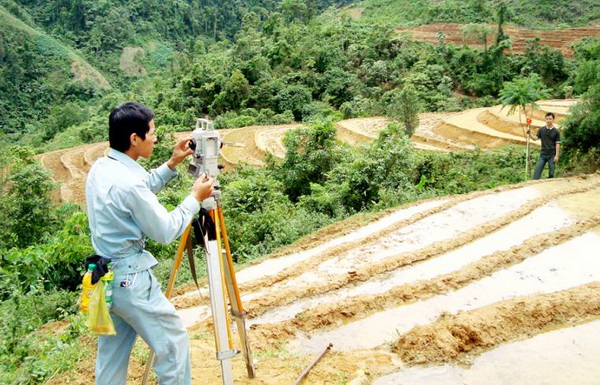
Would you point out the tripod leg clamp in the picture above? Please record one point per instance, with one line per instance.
(238, 314)
(227, 354)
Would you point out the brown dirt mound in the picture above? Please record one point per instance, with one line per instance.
(474, 138)
(497, 123)
(453, 338)
(270, 140)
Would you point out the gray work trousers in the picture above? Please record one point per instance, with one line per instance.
(539, 167)
(141, 308)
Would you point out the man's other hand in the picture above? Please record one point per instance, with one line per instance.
(202, 188)
(180, 152)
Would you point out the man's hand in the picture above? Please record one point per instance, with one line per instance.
(180, 152)
(202, 188)
(555, 158)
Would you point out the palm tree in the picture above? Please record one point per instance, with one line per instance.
(521, 94)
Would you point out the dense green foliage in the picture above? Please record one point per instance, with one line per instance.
(540, 14)
(31, 78)
(582, 137)
(280, 66)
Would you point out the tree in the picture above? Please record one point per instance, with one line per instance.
(582, 131)
(404, 107)
(309, 156)
(583, 126)
(480, 32)
(521, 94)
(293, 10)
(294, 98)
(235, 92)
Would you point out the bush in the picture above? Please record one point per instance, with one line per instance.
(26, 211)
(310, 154)
(582, 131)
(29, 355)
(57, 264)
(259, 216)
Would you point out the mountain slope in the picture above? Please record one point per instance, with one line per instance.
(37, 72)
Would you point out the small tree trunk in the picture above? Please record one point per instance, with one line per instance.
(528, 164)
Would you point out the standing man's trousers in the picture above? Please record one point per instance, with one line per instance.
(539, 167)
(141, 308)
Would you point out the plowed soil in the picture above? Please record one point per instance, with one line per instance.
(561, 40)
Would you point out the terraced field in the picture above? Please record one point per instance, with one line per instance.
(493, 287)
(512, 268)
(499, 286)
(486, 128)
(561, 40)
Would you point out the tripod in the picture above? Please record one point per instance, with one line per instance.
(221, 276)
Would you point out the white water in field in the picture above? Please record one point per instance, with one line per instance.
(434, 228)
(564, 356)
(503, 239)
(276, 265)
(446, 224)
(570, 264)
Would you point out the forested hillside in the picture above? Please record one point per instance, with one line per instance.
(65, 64)
(39, 38)
(251, 61)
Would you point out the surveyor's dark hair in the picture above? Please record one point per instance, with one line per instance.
(550, 114)
(126, 119)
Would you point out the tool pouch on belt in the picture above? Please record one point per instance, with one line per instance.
(101, 266)
(204, 225)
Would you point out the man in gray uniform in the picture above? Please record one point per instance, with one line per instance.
(123, 210)
(550, 147)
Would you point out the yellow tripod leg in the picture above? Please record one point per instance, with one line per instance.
(237, 309)
(185, 237)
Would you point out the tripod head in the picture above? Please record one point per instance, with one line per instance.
(206, 143)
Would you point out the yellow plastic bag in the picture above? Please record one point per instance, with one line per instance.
(99, 320)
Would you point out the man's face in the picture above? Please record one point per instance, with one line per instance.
(146, 146)
(549, 121)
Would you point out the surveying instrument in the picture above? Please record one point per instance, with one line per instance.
(206, 143)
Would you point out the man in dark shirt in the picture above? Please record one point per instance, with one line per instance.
(550, 147)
